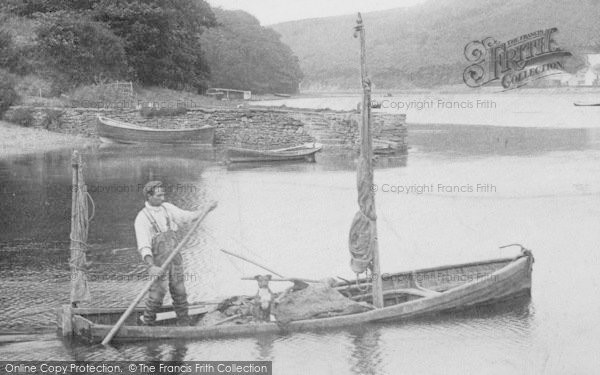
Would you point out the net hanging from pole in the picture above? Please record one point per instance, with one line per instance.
(79, 233)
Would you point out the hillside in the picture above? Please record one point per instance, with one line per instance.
(422, 46)
(244, 55)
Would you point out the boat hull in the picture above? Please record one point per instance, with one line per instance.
(113, 131)
(244, 155)
(491, 282)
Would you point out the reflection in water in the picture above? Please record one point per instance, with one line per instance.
(366, 353)
(264, 347)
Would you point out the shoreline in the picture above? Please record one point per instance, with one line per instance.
(17, 140)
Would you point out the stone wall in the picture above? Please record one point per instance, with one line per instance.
(257, 126)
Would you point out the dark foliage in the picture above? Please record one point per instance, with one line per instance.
(29, 7)
(153, 42)
(21, 116)
(8, 95)
(11, 58)
(75, 50)
(244, 55)
(161, 39)
(52, 118)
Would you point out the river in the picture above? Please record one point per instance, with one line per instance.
(464, 189)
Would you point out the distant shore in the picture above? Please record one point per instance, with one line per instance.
(454, 89)
(17, 140)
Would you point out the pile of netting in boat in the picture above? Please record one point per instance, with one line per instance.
(301, 302)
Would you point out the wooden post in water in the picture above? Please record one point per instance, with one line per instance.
(365, 172)
(79, 233)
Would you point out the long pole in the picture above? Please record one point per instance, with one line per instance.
(164, 266)
(366, 154)
(251, 261)
(75, 161)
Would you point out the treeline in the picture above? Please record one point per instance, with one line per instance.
(245, 55)
(167, 43)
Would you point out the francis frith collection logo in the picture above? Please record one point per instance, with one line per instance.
(516, 62)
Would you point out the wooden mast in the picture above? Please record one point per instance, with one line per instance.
(365, 170)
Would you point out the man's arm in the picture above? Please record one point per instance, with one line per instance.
(181, 216)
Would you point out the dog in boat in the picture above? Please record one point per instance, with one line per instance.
(263, 300)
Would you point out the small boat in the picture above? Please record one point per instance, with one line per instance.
(383, 147)
(588, 104)
(282, 95)
(306, 152)
(407, 295)
(114, 131)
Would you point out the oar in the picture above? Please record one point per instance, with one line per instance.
(298, 283)
(164, 266)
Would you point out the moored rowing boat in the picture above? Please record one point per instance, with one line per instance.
(306, 152)
(114, 131)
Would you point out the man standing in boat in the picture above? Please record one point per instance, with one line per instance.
(155, 227)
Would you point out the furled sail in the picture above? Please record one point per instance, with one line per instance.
(363, 231)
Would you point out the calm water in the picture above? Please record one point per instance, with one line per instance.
(296, 217)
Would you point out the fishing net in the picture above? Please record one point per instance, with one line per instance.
(317, 300)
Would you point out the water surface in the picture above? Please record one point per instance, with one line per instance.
(295, 218)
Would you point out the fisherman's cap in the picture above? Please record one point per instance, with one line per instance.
(150, 186)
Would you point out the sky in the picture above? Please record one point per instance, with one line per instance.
(274, 11)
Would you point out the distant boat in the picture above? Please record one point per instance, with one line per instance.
(383, 147)
(584, 104)
(114, 131)
(282, 95)
(306, 152)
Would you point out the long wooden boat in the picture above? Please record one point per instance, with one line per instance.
(306, 152)
(407, 295)
(114, 131)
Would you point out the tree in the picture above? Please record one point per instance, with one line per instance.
(74, 49)
(161, 39)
